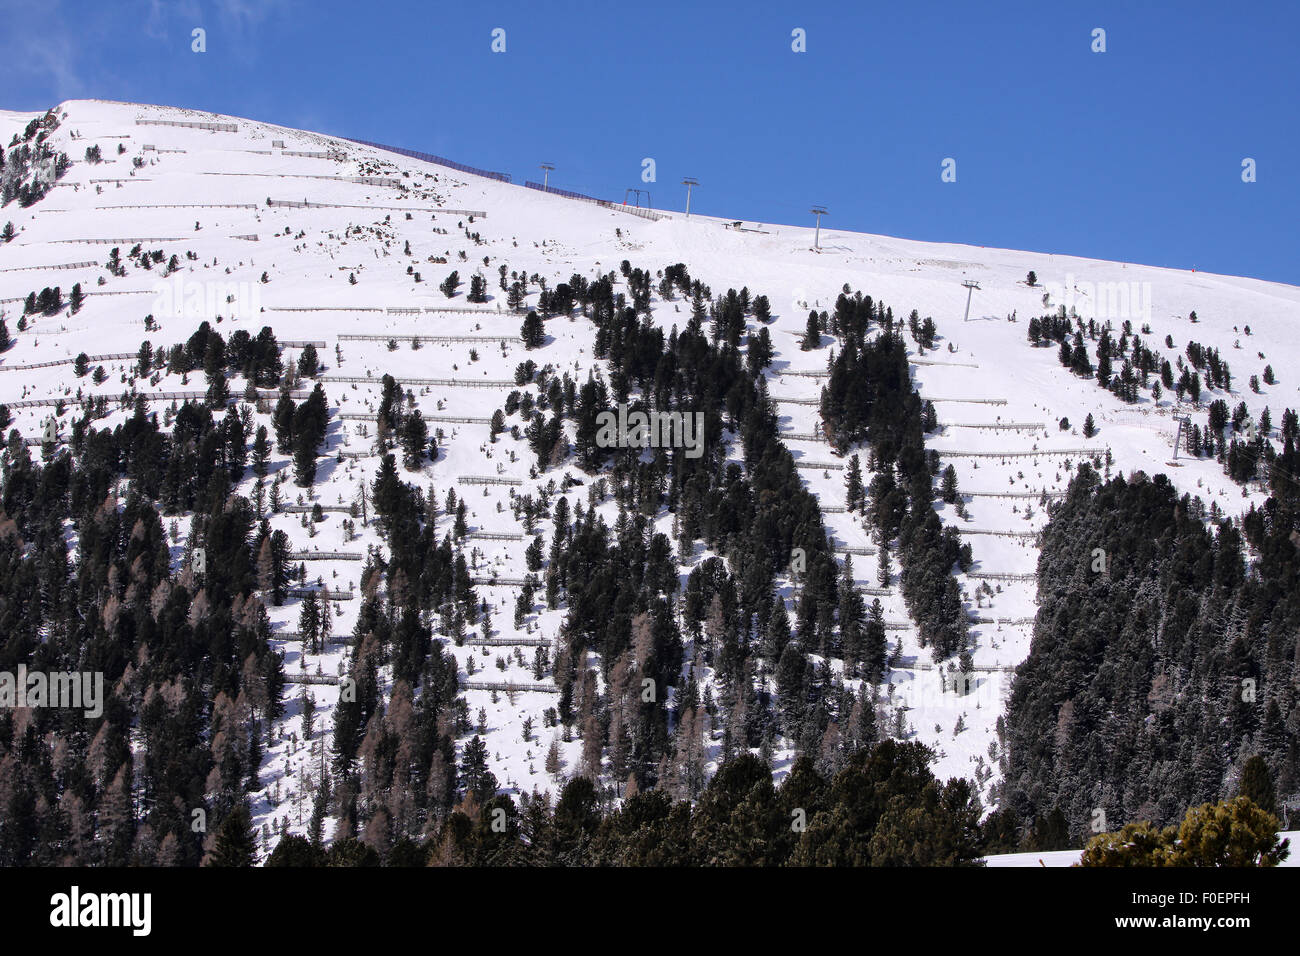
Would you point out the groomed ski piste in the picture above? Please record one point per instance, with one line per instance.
(339, 209)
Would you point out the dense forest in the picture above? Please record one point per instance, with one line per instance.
(1160, 664)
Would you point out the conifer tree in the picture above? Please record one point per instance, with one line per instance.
(854, 496)
(812, 334)
(1257, 784)
(235, 842)
(533, 332)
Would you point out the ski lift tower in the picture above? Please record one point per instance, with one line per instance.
(688, 182)
(818, 211)
(971, 286)
(546, 169)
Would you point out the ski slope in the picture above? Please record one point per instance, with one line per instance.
(206, 191)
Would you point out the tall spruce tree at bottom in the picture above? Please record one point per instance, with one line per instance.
(234, 845)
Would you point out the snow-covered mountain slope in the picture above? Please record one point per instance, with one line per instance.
(188, 189)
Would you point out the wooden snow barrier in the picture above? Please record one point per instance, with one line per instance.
(481, 581)
(406, 380)
(389, 310)
(62, 265)
(1086, 452)
(806, 374)
(182, 205)
(458, 419)
(1000, 534)
(489, 480)
(1002, 620)
(307, 509)
(211, 127)
(323, 308)
(332, 595)
(977, 669)
(130, 398)
(326, 556)
(131, 240)
(112, 357)
(918, 361)
(855, 550)
(294, 204)
(835, 509)
(510, 688)
(336, 154)
(507, 642)
(967, 401)
(301, 344)
(494, 536)
(431, 338)
(1010, 426)
(328, 640)
(795, 401)
(876, 592)
(1012, 494)
(311, 679)
(829, 465)
(1002, 575)
(801, 436)
(355, 454)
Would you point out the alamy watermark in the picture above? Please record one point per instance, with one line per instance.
(65, 689)
(624, 429)
(76, 909)
(181, 298)
(1100, 300)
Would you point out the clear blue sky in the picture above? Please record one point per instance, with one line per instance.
(1131, 154)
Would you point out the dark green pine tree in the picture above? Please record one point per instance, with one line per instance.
(235, 841)
(1257, 784)
(282, 421)
(854, 496)
(948, 490)
(812, 335)
(450, 284)
(308, 361)
(477, 289)
(414, 439)
(304, 460)
(475, 777)
(533, 332)
(760, 351)
(309, 623)
(261, 451)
